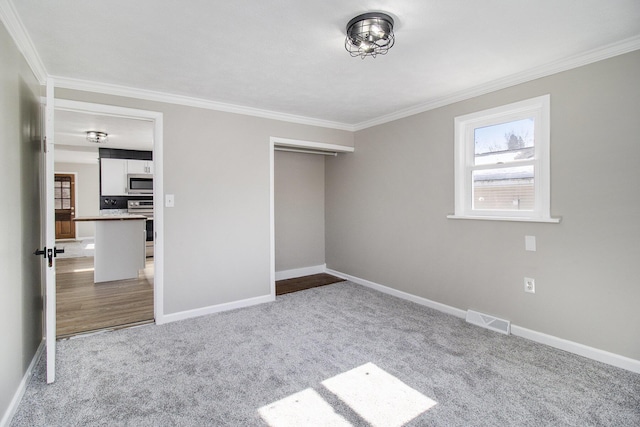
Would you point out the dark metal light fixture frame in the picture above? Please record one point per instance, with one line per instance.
(369, 34)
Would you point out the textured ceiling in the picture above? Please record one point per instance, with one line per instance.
(288, 56)
(72, 145)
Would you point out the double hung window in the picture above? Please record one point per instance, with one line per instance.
(502, 162)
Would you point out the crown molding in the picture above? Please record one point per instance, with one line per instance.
(575, 61)
(15, 27)
(595, 55)
(149, 95)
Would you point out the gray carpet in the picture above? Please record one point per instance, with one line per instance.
(220, 369)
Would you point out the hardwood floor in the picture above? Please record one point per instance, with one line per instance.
(306, 282)
(84, 306)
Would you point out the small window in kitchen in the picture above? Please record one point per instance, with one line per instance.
(502, 163)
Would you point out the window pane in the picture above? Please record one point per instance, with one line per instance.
(58, 204)
(504, 142)
(508, 189)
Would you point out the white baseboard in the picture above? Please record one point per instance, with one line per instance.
(579, 349)
(613, 359)
(75, 239)
(22, 387)
(299, 272)
(182, 315)
(400, 294)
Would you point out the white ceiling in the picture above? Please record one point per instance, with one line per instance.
(71, 138)
(288, 56)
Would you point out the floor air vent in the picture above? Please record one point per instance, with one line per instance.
(489, 322)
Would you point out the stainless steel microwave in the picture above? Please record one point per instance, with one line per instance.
(139, 183)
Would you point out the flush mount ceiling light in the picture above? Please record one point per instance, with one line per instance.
(369, 34)
(96, 136)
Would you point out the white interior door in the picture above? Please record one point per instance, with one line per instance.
(50, 238)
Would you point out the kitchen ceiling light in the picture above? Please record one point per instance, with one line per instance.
(96, 136)
(369, 34)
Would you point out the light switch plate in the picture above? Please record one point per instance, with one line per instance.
(530, 243)
(169, 200)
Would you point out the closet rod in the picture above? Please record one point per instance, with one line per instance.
(303, 150)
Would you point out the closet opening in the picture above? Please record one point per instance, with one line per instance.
(297, 214)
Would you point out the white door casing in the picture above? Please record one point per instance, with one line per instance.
(158, 187)
(294, 145)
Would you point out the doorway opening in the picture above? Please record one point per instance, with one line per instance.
(85, 304)
(298, 214)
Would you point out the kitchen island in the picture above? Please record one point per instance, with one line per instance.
(119, 246)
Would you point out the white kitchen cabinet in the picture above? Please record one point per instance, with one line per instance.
(113, 177)
(139, 166)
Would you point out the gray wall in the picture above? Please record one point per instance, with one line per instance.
(387, 203)
(216, 238)
(299, 210)
(21, 294)
(88, 192)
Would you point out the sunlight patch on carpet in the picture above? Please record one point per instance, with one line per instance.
(305, 408)
(378, 397)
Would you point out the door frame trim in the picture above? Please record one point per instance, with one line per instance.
(276, 141)
(156, 118)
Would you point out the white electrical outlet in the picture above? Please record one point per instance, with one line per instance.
(529, 285)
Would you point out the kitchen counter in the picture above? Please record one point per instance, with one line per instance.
(120, 249)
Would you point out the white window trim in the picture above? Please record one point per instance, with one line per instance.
(539, 108)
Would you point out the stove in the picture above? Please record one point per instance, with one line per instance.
(144, 207)
(140, 207)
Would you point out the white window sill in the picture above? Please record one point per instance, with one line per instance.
(506, 218)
